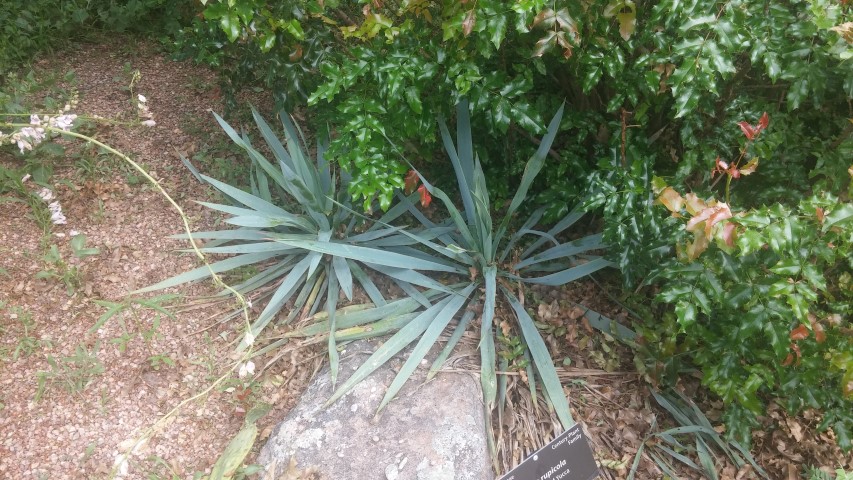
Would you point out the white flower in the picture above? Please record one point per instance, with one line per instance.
(28, 137)
(34, 120)
(149, 123)
(26, 177)
(73, 233)
(46, 194)
(63, 122)
(23, 144)
(250, 338)
(142, 98)
(247, 368)
(56, 216)
(67, 108)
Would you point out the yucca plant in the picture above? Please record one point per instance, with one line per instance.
(494, 265)
(297, 228)
(694, 437)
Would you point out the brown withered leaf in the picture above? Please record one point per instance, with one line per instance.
(672, 200)
(468, 23)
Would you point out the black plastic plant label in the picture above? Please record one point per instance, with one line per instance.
(567, 457)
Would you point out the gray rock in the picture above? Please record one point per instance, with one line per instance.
(432, 431)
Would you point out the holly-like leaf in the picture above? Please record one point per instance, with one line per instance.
(672, 200)
(749, 167)
(627, 18)
(230, 24)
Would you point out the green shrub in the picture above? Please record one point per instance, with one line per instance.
(761, 300)
(277, 45)
(676, 73)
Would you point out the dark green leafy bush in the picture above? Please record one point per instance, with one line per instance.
(278, 45)
(676, 73)
(762, 300)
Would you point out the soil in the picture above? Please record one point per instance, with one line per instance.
(75, 395)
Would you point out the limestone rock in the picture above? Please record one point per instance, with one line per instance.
(432, 431)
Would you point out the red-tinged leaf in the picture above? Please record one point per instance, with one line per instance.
(764, 121)
(721, 212)
(710, 215)
(545, 43)
(799, 333)
(819, 333)
(411, 182)
(747, 130)
(468, 23)
(296, 54)
(697, 246)
(790, 358)
(729, 234)
(797, 352)
(547, 16)
(426, 198)
(820, 215)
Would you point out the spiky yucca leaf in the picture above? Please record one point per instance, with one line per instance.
(298, 230)
(675, 442)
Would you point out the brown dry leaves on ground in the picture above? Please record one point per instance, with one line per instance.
(70, 418)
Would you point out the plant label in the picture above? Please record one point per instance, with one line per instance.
(567, 457)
